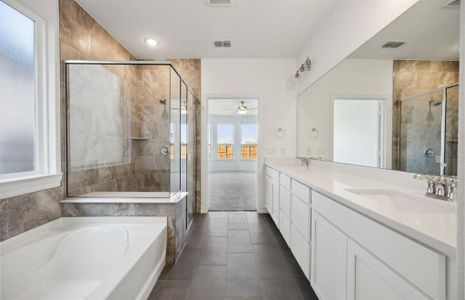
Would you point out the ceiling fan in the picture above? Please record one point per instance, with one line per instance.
(242, 109)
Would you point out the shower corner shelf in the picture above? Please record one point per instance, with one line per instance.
(140, 138)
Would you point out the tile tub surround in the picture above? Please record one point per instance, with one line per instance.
(173, 211)
(429, 221)
(22, 213)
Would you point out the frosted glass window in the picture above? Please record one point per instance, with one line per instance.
(18, 138)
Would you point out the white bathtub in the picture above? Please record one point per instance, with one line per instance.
(84, 258)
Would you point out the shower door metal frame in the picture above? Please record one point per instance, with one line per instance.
(67, 63)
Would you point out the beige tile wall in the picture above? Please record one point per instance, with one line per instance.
(416, 77)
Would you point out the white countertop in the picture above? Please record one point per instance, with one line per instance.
(115, 198)
(429, 221)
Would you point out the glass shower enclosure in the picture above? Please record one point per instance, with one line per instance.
(427, 132)
(130, 131)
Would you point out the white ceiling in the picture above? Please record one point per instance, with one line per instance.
(228, 107)
(429, 31)
(187, 28)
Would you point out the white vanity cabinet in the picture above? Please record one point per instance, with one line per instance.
(272, 193)
(370, 278)
(329, 260)
(285, 223)
(346, 254)
(354, 257)
(289, 205)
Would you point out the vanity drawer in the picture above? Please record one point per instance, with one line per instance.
(285, 228)
(301, 191)
(301, 250)
(423, 267)
(285, 181)
(285, 201)
(273, 174)
(300, 216)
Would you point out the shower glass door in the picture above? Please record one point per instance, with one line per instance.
(451, 130)
(420, 135)
(191, 155)
(175, 133)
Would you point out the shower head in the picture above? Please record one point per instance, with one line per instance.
(162, 101)
(434, 103)
(429, 116)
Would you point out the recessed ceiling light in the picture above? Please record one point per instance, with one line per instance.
(151, 42)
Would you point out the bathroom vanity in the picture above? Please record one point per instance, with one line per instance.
(356, 237)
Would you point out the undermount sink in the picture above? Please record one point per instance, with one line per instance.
(400, 200)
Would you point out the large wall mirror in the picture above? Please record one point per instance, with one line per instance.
(393, 103)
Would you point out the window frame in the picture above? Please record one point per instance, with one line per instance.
(47, 173)
(233, 144)
(241, 126)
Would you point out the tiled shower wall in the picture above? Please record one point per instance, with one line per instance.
(190, 70)
(411, 78)
(115, 142)
(81, 38)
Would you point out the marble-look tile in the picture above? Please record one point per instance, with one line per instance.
(413, 132)
(3, 219)
(31, 210)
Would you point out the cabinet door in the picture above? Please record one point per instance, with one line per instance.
(369, 278)
(276, 202)
(269, 195)
(301, 216)
(285, 227)
(329, 259)
(285, 201)
(301, 250)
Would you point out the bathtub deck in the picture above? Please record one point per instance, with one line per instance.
(123, 197)
(84, 257)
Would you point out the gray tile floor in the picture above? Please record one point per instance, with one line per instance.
(232, 191)
(234, 255)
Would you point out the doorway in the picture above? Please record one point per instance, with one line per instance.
(232, 154)
(362, 120)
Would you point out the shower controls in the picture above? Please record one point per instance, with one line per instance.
(165, 150)
(429, 152)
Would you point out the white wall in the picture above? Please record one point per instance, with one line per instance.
(270, 80)
(352, 77)
(461, 167)
(352, 23)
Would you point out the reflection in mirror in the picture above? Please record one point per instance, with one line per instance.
(393, 103)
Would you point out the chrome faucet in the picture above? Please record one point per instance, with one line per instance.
(439, 187)
(304, 161)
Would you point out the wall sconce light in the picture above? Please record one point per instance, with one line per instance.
(306, 66)
(280, 132)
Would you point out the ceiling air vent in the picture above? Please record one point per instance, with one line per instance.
(222, 44)
(219, 2)
(393, 44)
(451, 4)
